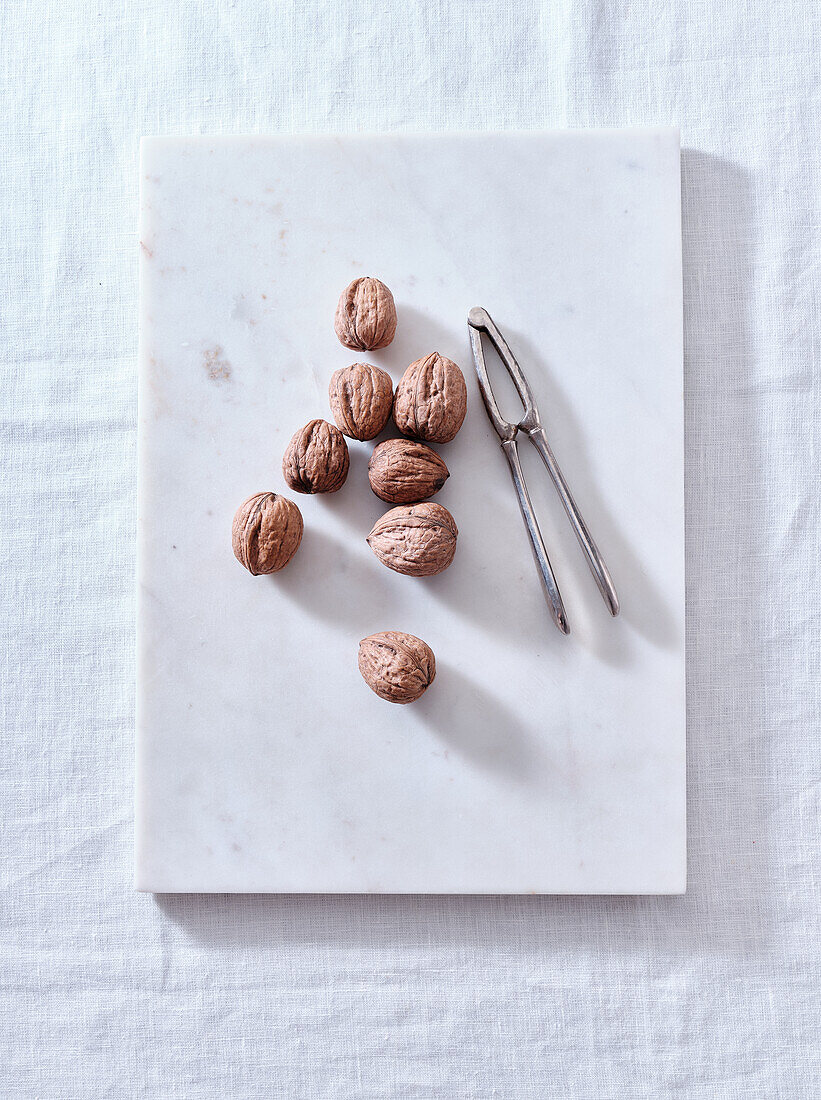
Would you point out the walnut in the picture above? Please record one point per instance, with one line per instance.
(361, 399)
(266, 532)
(419, 540)
(366, 315)
(431, 399)
(398, 667)
(316, 460)
(402, 471)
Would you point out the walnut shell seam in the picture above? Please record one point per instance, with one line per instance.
(404, 471)
(398, 667)
(366, 315)
(418, 541)
(361, 399)
(431, 399)
(316, 459)
(266, 533)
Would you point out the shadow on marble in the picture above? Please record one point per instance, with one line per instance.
(483, 606)
(417, 334)
(326, 572)
(491, 611)
(334, 584)
(331, 583)
(355, 504)
(642, 605)
(475, 724)
(726, 910)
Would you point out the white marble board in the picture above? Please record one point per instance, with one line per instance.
(535, 763)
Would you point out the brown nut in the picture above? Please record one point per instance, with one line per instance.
(366, 315)
(402, 471)
(266, 532)
(361, 399)
(398, 667)
(431, 399)
(418, 541)
(316, 459)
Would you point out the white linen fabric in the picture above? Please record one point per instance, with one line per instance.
(109, 993)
